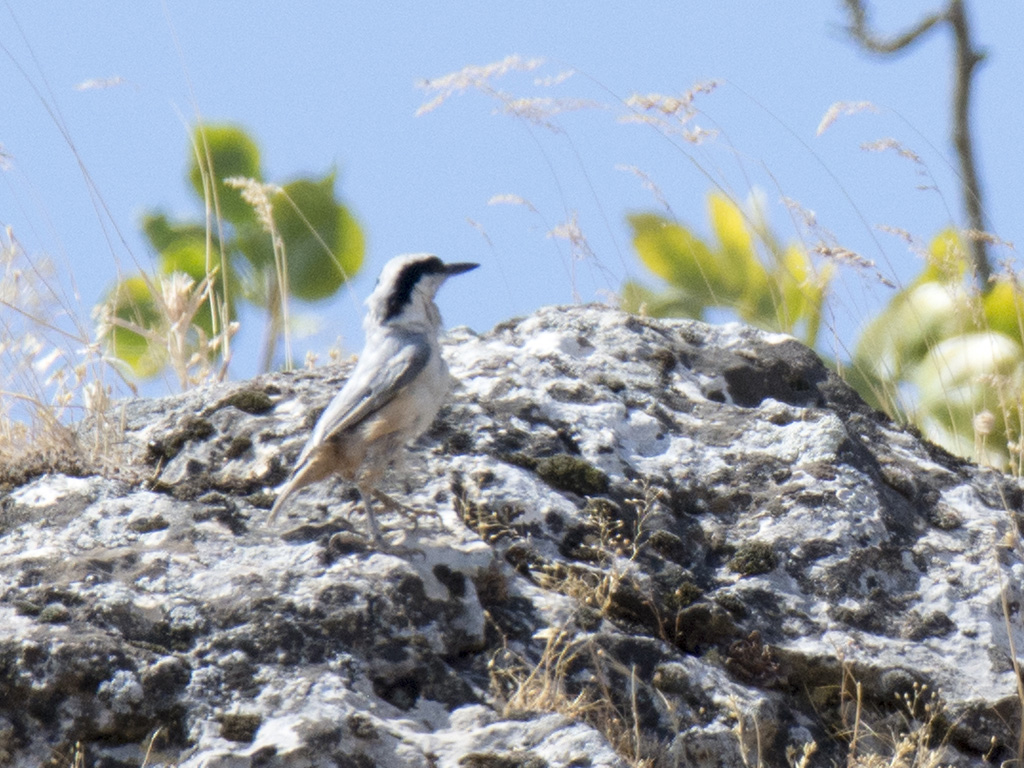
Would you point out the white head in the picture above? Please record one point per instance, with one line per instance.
(405, 291)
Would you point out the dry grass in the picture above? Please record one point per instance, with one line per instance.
(77, 755)
(549, 686)
(1011, 541)
(575, 677)
(840, 108)
(614, 548)
(914, 737)
(175, 335)
(53, 373)
(670, 115)
(824, 242)
(57, 375)
(536, 110)
(554, 683)
(472, 77)
(215, 257)
(260, 196)
(914, 743)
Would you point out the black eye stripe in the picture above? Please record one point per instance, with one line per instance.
(406, 282)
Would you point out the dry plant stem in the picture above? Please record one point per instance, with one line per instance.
(275, 323)
(219, 313)
(967, 58)
(177, 299)
(1004, 599)
(277, 302)
(281, 268)
(149, 747)
(260, 196)
(637, 737)
(856, 696)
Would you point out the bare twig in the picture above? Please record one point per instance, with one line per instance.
(967, 58)
(860, 29)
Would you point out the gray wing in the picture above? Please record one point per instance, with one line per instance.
(379, 375)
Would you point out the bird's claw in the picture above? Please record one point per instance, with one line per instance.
(396, 506)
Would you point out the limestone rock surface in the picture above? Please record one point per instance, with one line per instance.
(636, 540)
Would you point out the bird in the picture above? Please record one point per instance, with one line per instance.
(396, 388)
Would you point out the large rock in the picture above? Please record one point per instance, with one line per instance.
(638, 540)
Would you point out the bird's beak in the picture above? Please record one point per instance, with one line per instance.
(458, 268)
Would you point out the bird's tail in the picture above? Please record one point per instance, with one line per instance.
(282, 497)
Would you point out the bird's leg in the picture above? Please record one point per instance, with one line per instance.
(365, 494)
(396, 466)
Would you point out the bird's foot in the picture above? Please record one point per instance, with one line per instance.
(394, 505)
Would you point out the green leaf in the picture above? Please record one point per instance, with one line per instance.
(954, 373)
(639, 299)
(915, 321)
(730, 274)
(132, 302)
(162, 232)
(730, 226)
(741, 269)
(636, 298)
(759, 303)
(186, 256)
(677, 256)
(962, 377)
(803, 290)
(323, 243)
(746, 285)
(1003, 306)
(947, 259)
(221, 152)
(256, 244)
(797, 285)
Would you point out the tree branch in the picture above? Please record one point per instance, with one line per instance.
(967, 58)
(861, 32)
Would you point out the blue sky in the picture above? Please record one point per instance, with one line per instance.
(328, 84)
